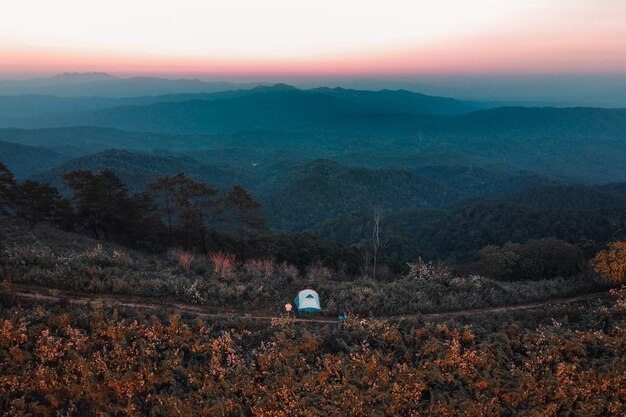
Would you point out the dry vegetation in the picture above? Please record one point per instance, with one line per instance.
(100, 361)
(63, 260)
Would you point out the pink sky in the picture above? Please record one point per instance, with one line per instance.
(276, 38)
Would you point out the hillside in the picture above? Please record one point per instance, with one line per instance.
(302, 197)
(25, 160)
(576, 145)
(16, 107)
(477, 181)
(137, 169)
(85, 140)
(565, 197)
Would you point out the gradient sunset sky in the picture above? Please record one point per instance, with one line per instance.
(256, 39)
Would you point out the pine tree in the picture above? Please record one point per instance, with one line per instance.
(164, 191)
(8, 188)
(243, 214)
(195, 203)
(37, 202)
(101, 201)
(185, 202)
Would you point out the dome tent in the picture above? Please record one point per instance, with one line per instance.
(308, 301)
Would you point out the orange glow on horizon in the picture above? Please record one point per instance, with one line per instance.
(354, 38)
(470, 56)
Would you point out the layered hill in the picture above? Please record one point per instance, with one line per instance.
(137, 169)
(302, 197)
(106, 85)
(25, 160)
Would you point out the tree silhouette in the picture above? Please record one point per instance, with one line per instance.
(243, 214)
(101, 201)
(7, 188)
(195, 203)
(185, 202)
(37, 202)
(164, 190)
(377, 212)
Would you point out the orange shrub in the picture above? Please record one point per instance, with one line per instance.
(612, 262)
(264, 267)
(224, 264)
(184, 258)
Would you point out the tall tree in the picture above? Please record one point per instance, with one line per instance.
(377, 218)
(184, 202)
(164, 191)
(101, 201)
(242, 212)
(37, 202)
(8, 188)
(195, 203)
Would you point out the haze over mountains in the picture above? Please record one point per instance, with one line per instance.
(318, 159)
(106, 85)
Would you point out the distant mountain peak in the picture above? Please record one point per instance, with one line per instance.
(83, 76)
(275, 87)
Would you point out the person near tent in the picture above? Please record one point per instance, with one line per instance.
(288, 308)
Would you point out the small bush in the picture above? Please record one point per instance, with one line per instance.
(319, 272)
(288, 271)
(185, 259)
(7, 297)
(427, 271)
(224, 264)
(611, 263)
(260, 267)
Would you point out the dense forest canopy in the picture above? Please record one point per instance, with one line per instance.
(450, 177)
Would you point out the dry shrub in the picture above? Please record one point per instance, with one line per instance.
(288, 270)
(120, 257)
(611, 263)
(7, 296)
(319, 272)
(224, 264)
(428, 271)
(260, 267)
(185, 259)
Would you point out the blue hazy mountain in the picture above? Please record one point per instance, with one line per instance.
(137, 169)
(105, 85)
(24, 160)
(51, 109)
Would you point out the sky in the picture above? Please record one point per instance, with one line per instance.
(259, 39)
(565, 51)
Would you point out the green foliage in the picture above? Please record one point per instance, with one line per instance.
(7, 188)
(38, 202)
(242, 214)
(534, 260)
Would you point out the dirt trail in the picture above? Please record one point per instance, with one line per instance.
(39, 293)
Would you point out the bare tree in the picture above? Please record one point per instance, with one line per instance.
(377, 212)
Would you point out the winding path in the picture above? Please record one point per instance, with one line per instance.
(46, 294)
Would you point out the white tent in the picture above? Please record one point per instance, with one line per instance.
(308, 300)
